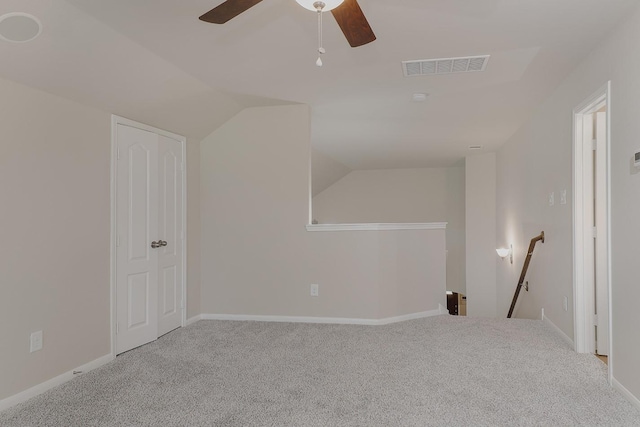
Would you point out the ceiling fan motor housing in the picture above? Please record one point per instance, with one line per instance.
(320, 5)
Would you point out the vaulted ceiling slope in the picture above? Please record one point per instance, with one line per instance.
(81, 58)
(153, 58)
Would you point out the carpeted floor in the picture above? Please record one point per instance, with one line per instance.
(438, 371)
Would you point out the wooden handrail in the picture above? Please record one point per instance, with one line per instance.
(525, 267)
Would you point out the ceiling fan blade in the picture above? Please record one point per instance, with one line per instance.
(353, 23)
(228, 10)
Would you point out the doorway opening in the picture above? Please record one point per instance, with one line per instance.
(591, 233)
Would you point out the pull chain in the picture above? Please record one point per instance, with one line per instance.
(319, 7)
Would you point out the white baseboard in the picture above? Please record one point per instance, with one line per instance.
(411, 316)
(558, 330)
(327, 320)
(53, 382)
(626, 393)
(443, 309)
(193, 319)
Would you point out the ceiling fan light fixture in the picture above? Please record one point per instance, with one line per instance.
(311, 4)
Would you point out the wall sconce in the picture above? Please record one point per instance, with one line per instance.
(504, 252)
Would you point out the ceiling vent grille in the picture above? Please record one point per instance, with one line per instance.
(426, 67)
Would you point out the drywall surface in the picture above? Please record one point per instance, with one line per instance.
(54, 256)
(538, 160)
(193, 228)
(402, 196)
(481, 235)
(325, 170)
(258, 258)
(384, 195)
(455, 208)
(55, 191)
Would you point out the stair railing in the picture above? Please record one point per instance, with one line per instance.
(525, 267)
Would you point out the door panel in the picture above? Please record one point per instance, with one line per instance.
(169, 300)
(138, 157)
(138, 300)
(137, 218)
(170, 202)
(170, 219)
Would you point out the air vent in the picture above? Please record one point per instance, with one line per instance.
(426, 67)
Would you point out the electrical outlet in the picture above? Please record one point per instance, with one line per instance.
(565, 304)
(314, 290)
(552, 199)
(36, 341)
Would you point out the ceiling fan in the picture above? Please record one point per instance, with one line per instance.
(347, 13)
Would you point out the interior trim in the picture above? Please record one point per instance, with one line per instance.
(625, 392)
(559, 331)
(193, 319)
(326, 320)
(378, 227)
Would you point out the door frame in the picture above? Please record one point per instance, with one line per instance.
(581, 297)
(115, 121)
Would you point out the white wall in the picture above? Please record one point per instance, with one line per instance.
(481, 235)
(384, 195)
(193, 228)
(538, 160)
(455, 215)
(54, 256)
(402, 196)
(258, 258)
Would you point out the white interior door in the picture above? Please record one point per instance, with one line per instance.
(149, 236)
(170, 220)
(601, 255)
(137, 225)
(591, 224)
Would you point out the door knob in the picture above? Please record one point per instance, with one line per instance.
(157, 244)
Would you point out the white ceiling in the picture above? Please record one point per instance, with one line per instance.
(154, 61)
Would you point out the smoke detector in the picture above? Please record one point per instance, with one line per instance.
(18, 27)
(426, 67)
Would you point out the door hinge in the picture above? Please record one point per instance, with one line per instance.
(117, 241)
(118, 153)
(595, 232)
(594, 144)
(595, 320)
(182, 166)
(117, 328)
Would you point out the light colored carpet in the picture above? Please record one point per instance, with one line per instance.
(439, 371)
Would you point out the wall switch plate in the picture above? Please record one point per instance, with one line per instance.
(36, 341)
(563, 197)
(314, 290)
(552, 199)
